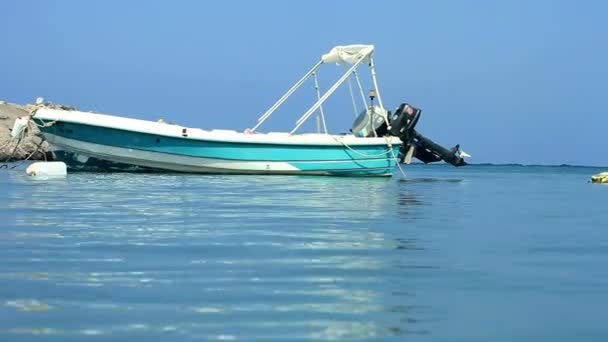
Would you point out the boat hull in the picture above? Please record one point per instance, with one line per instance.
(124, 150)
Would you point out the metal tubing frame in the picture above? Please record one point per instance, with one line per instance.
(352, 96)
(318, 97)
(360, 89)
(373, 71)
(330, 91)
(291, 90)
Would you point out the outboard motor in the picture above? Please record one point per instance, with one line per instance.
(371, 122)
(403, 121)
(402, 125)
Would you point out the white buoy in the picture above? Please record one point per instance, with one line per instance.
(46, 170)
(19, 126)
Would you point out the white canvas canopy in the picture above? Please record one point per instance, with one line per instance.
(348, 54)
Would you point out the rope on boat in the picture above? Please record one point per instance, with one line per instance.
(390, 150)
(6, 144)
(364, 154)
(4, 163)
(47, 124)
(22, 135)
(33, 111)
(29, 156)
(398, 164)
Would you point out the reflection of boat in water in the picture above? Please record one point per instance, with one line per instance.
(374, 146)
(326, 248)
(82, 162)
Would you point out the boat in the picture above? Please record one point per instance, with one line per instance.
(377, 141)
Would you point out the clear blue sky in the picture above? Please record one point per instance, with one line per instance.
(512, 81)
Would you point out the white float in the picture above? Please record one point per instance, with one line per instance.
(19, 126)
(47, 170)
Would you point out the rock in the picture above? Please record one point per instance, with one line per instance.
(601, 177)
(9, 112)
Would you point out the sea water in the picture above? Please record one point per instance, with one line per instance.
(480, 253)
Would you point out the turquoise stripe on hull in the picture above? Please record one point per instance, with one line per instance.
(337, 159)
(345, 165)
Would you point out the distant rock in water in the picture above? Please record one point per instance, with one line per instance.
(8, 113)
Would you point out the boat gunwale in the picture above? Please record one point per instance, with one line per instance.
(227, 136)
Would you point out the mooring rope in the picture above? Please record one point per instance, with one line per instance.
(14, 150)
(29, 156)
(364, 154)
(21, 136)
(4, 163)
(390, 149)
(47, 124)
(398, 164)
(6, 144)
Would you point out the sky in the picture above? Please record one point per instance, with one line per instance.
(513, 81)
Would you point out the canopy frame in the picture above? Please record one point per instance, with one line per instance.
(355, 55)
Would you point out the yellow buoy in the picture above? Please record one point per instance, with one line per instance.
(601, 177)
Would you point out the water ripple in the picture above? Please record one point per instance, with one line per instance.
(171, 256)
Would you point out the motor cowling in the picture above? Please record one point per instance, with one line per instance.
(371, 122)
(404, 120)
(402, 125)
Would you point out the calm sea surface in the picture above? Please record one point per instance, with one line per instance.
(481, 253)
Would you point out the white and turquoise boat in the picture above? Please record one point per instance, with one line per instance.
(369, 150)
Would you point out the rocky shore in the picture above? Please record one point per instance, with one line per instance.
(8, 113)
